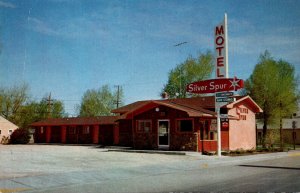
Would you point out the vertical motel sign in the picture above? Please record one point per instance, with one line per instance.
(221, 49)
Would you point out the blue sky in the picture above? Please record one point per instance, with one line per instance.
(66, 47)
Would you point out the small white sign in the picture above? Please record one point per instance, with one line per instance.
(223, 116)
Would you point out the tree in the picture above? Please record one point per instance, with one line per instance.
(273, 85)
(35, 111)
(15, 105)
(191, 70)
(99, 102)
(12, 100)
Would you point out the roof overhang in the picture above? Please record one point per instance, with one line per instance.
(153, 104)
(253, 105)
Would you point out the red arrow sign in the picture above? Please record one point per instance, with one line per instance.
(215, 85)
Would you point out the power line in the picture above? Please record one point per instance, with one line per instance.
(179, 44)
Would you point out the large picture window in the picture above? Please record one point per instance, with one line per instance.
(185, 125)
(144, 126)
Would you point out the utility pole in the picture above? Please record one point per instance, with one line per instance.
(118, 95)
(49, 104)
(180, 94)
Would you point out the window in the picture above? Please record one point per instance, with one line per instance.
(42, 130)
(212, 135)
(208, 130)
(72, 130)
(86, 130)
(211, 129)
(185, 125)
(144, 126)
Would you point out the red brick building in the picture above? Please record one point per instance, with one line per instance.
(174, 124)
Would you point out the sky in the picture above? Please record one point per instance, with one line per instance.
(69, 46)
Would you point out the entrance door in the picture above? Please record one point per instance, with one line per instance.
(163, 133)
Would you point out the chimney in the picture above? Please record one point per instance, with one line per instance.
(165, 95)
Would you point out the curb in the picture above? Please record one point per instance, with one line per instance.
(148, 151)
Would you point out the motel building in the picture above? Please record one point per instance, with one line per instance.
(187, 124)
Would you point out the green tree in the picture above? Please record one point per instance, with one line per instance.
(191, 70)
(99, 102)
(12, 100)
(35, 111)
(15, 105)
(273, 85)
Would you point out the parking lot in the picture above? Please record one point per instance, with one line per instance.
(56, 168)
(30, 167)
(30, 160)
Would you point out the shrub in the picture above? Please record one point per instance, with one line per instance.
(4, 140)
(208, 153)
(250, 150)
(20, 136)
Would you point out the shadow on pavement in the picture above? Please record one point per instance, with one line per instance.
(273, 167)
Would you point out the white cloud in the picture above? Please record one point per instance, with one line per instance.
(82, 28)
(248, 44)
(246, 39)
(74, 28)
(280, 45)
(7, 5)
(237, 26)
(40, 26)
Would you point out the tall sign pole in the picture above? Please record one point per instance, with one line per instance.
(221, 66)
(226, 44)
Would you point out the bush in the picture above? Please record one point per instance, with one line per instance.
(20, 136)
(4, 140)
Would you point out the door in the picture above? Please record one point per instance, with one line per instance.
(163, 133)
